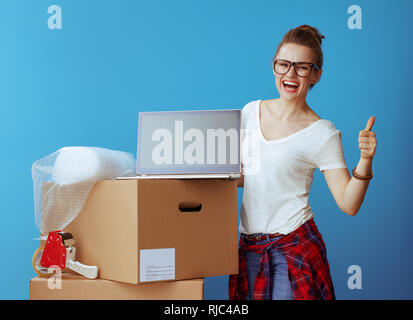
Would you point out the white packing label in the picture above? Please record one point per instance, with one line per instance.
(157, 264)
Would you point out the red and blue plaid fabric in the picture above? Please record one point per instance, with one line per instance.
(308, 268)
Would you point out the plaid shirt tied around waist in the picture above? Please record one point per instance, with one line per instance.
(308, 268)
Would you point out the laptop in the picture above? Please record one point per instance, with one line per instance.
(193, 144)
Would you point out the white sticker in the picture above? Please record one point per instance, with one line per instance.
(157, 264)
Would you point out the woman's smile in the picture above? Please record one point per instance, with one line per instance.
(290, 86)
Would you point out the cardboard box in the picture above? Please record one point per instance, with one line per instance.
(80, 288)
(149, 230)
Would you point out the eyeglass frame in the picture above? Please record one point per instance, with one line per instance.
(292, 64)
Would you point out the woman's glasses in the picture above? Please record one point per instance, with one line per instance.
(302, 69)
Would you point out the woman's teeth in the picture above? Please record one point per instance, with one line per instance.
(291, 85)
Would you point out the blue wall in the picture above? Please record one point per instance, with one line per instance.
(86, 83)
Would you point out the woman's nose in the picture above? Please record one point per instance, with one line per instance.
(291, 73)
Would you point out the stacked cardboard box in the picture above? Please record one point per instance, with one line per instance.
(150, 236)
(73, 287)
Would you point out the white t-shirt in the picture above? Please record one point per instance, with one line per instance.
(278, 174)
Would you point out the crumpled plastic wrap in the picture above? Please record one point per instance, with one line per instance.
(63, 180)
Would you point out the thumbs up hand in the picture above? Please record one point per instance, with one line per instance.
(367, 140)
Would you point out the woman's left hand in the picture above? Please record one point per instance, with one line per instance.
(367, 140)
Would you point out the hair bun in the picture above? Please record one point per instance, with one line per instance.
(305, 28)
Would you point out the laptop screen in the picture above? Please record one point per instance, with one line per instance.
(189, 142)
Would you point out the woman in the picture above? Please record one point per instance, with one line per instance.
(282, 254)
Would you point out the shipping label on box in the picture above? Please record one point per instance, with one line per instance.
(157, 264)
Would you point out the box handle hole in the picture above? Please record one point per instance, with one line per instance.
(190, 206)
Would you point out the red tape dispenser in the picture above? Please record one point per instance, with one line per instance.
(59, 253)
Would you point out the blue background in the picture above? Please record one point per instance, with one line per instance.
(86, 83)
